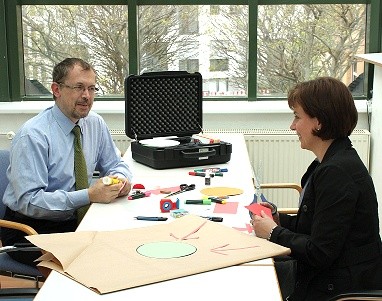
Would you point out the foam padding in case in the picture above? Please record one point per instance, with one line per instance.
(163, 104)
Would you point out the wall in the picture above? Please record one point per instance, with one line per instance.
(376, 137)
(217, 115)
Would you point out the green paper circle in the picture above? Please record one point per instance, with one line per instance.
(166, 249)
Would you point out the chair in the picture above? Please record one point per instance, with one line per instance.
(283, 186)
(24, 294)
(361, 295)
(9, 266)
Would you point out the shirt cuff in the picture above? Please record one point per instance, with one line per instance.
(80, 198)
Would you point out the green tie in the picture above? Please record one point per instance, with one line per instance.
(80, 170)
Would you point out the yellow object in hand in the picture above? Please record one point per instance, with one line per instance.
(110, 181)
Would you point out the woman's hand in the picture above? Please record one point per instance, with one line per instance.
(275, 216)
(262, 225)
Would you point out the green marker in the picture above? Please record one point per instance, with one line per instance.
(198, 202)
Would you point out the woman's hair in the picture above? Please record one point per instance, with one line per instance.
(328, 100)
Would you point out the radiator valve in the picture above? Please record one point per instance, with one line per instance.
(10, 135)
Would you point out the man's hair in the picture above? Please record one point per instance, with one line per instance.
(330, 101)
(61, 70)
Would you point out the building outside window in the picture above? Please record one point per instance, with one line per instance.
(293, 42)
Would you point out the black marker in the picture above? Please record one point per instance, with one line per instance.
(151, 218)
(214, 218)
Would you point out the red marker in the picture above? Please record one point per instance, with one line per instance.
(194, 173)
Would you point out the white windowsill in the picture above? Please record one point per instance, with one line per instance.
(209, 107)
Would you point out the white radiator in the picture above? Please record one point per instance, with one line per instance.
(275, 157)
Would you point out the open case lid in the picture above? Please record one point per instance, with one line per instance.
(159, 104)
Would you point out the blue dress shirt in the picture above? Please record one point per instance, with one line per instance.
(41, 172)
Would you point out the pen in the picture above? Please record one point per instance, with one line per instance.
(203, 174)
(213, 218)
(199, 174)
(212, 169)
(217, 200)
(151, 218)
(139, 195)
(198, 202)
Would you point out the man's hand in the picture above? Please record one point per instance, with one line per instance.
(101, 193)
(126, 187)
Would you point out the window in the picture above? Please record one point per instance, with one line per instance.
(190, 65)
(256, 57)
(214, 9)
(210, 49)
(218, 65)
(95, 33)
(302, 42)
(188, 20)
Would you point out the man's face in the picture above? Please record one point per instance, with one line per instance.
(75, 96)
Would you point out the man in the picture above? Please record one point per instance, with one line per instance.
(42, 183)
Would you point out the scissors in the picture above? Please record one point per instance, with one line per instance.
(263, 199)
(183, 188)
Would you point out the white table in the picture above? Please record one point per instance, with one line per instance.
(254, 280)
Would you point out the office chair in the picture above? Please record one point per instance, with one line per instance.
(24, 294)
(283, 186)
(9, 266)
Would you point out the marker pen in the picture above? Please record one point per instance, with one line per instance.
(212, 169)
(213, 218)
(151, 218)
(203, 174)
(198, 202)
(217, 200)
(199, 174)
(218, 174)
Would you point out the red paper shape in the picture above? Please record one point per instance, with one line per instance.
(256, 209)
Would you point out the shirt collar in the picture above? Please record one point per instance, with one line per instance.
(64, 122)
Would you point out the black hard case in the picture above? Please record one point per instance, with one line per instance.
(162, 104)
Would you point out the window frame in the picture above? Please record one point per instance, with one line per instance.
(11, 62)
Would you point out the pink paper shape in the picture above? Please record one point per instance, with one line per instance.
(229, 207)
(170, 189)
(256, 209)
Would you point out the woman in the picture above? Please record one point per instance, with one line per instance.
(334, 238)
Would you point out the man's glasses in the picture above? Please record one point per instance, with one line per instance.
(81, 88)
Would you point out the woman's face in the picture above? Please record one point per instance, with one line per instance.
(304, 125)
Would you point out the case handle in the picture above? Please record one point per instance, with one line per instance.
(199, 155)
